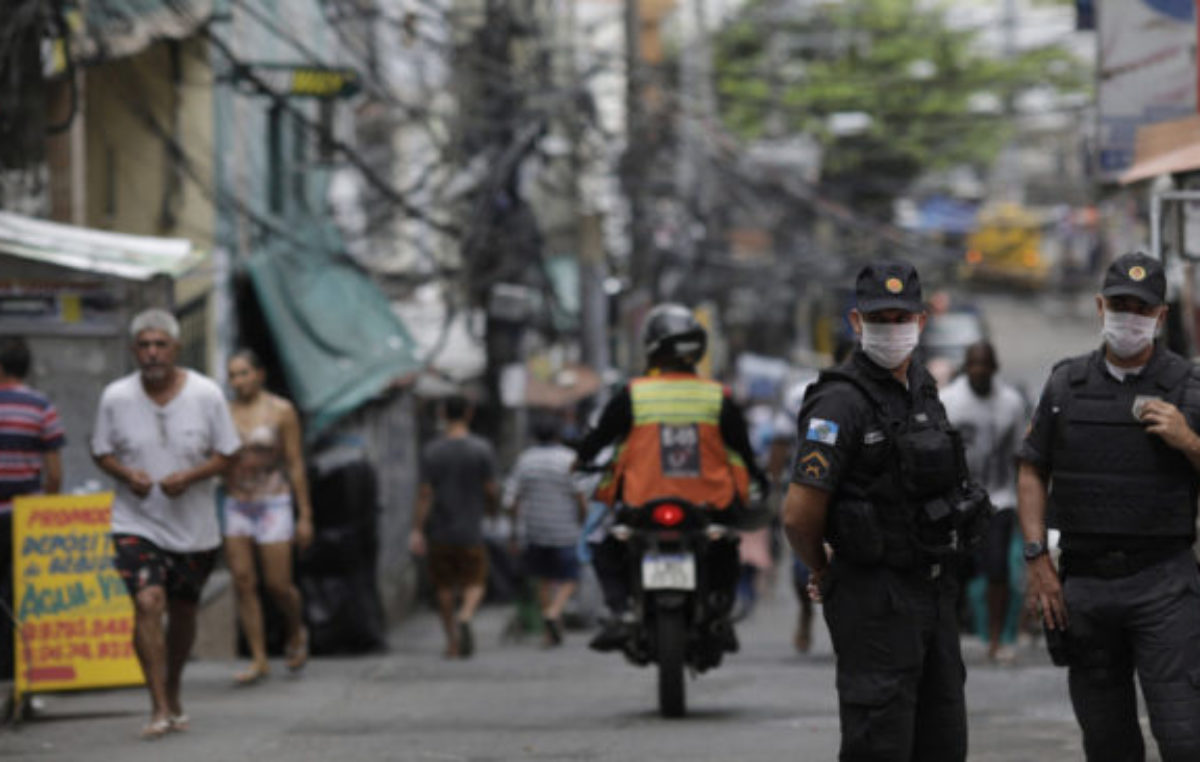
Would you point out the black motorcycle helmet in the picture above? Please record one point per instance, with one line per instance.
(671, 335)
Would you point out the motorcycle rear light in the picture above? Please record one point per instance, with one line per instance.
(667, 515)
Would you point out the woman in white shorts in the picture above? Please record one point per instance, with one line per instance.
(266, 473)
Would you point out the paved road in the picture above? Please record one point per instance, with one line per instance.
(518, 702)
(1031, 332)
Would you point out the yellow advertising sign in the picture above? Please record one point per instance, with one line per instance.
(74, 617)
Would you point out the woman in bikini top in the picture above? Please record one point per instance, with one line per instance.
(260, 484)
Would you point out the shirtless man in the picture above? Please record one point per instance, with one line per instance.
(260, 484)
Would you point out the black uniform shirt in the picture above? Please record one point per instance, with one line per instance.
(1039, 439)
(840, 435)
(1039, 443)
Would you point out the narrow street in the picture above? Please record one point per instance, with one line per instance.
(1032, 332)
(516, 701)
(321, 283)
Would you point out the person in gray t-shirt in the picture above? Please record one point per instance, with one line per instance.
(458, 487)
(547, 503)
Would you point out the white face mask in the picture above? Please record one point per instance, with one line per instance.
(1127, 333)
(890, 344)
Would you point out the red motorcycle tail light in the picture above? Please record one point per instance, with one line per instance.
(667, 515)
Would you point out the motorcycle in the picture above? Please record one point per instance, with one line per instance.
(675, 625)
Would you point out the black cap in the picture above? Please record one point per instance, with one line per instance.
(888, 286)
(1136, 274)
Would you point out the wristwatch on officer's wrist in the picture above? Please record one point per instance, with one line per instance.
(1034, 549)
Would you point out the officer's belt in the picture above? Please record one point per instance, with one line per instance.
(1115, 564)
(927, 570)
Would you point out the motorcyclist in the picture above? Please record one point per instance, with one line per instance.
(678, 435)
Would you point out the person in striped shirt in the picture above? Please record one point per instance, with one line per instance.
(31, 437)
(549, 508)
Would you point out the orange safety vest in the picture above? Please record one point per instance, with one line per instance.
(674, 448)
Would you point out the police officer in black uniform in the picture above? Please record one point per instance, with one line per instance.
(880, 476)
(1113, 451)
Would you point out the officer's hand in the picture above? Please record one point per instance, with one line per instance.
(1166, 421)
(1044, 593)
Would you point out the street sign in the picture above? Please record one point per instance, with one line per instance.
(305, 81)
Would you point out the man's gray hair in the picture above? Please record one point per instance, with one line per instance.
(154, 320)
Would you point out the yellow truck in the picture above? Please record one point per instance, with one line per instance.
(1006, 248)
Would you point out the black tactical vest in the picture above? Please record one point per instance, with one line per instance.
(907, 459)
(1108, 475)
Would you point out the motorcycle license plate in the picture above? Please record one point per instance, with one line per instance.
(662, 571)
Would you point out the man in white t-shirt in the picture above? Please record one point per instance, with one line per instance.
(163, 433)
(991, 416)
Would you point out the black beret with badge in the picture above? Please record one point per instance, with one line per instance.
(1138, 275)
(888, 286)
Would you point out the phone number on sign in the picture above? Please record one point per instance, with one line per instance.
(74, 629)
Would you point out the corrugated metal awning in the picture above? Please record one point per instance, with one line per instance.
(134, 257)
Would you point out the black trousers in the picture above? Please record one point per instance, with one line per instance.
(1148, 623)
(900, 673)
(610, 560)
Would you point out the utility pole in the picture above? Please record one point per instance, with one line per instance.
(634, 170)
(776, 122)
(589, 232)
(706, 108)
(1011, 186)
(698, 107)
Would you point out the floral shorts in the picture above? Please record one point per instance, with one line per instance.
(143, 564)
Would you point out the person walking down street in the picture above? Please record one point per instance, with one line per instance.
(1113, 448)
(162, 433)
(990, 416)
(31, 438)
(879, 475)
(458, 488)
(258, 512)
(550, 509)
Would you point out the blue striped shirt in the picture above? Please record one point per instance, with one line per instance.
(29, 428)
(543, 489)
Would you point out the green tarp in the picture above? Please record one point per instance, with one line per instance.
(337, 337)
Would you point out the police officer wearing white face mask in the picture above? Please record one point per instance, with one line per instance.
(881, 477)
(1112, 450)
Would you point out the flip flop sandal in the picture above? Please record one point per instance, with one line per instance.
(180, 723)
(156, 729)
(251, 676)
(297, 655)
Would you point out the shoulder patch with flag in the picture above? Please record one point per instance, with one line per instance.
(823, 431)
